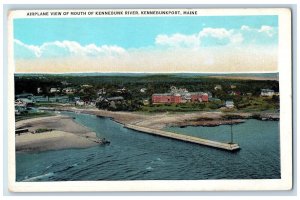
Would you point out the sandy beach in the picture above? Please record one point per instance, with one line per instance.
(65, 133)
(162, 120)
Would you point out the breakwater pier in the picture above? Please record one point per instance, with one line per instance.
(185, 138)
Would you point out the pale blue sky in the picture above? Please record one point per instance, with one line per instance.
(208, 43)
(129, 32)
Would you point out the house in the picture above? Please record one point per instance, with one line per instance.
(110, 99)
(39, 90)
(19, 102)
(218, 87)
(143, 90)
(110, 102)
(234, 93)
(179, 96)
(54, 90)
(229, 104)
(232, 86)
(199, 97)
(24, 102)
(86, 86)
(101, 92)
(65, 83)
(166, 98)
(69, 90)
(79, 103)
(121, 90)
(76, 99)
(209, 94)
(92, 103)
(59, 99)
(119, 98)
(145, 102)
(267, 93)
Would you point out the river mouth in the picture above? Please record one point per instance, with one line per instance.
(138, 156)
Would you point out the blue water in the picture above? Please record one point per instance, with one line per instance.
(137, 156)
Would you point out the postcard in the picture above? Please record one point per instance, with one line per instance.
(150, 100)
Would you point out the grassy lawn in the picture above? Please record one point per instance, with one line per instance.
(259, 104)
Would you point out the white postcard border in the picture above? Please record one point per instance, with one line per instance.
(285, 183)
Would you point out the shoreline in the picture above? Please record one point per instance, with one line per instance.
(60, 132)
(161, 120)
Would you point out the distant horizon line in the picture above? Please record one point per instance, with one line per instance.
(254, 72)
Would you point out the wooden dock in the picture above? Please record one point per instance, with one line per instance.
(186, 138)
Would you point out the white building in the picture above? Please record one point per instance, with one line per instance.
(267, 92)
(101, 91)
(218, 87)
(79, 103)
(69, 90)
(39, 90)
(53, 90)
(24, 102)
(229, 104)
(143, 90)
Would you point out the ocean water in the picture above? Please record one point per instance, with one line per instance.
(134, 155)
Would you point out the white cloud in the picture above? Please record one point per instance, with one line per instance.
(233, 36)
(268, 30)
(35, 50)
(219, 33)
(245, 28)
(67, 48)
(194, 41)
(178, 40)
(264, 29)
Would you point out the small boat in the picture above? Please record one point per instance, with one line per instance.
(104, 141)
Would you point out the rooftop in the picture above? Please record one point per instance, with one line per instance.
(115, 98)
(267, 90)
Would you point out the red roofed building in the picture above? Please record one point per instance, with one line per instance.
(199, 96)
(166, 98)
(179, 96)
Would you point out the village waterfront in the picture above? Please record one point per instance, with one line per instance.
(214, 108)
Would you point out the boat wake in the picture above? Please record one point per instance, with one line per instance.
(40, 177)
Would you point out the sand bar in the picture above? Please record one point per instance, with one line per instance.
(66, 133)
